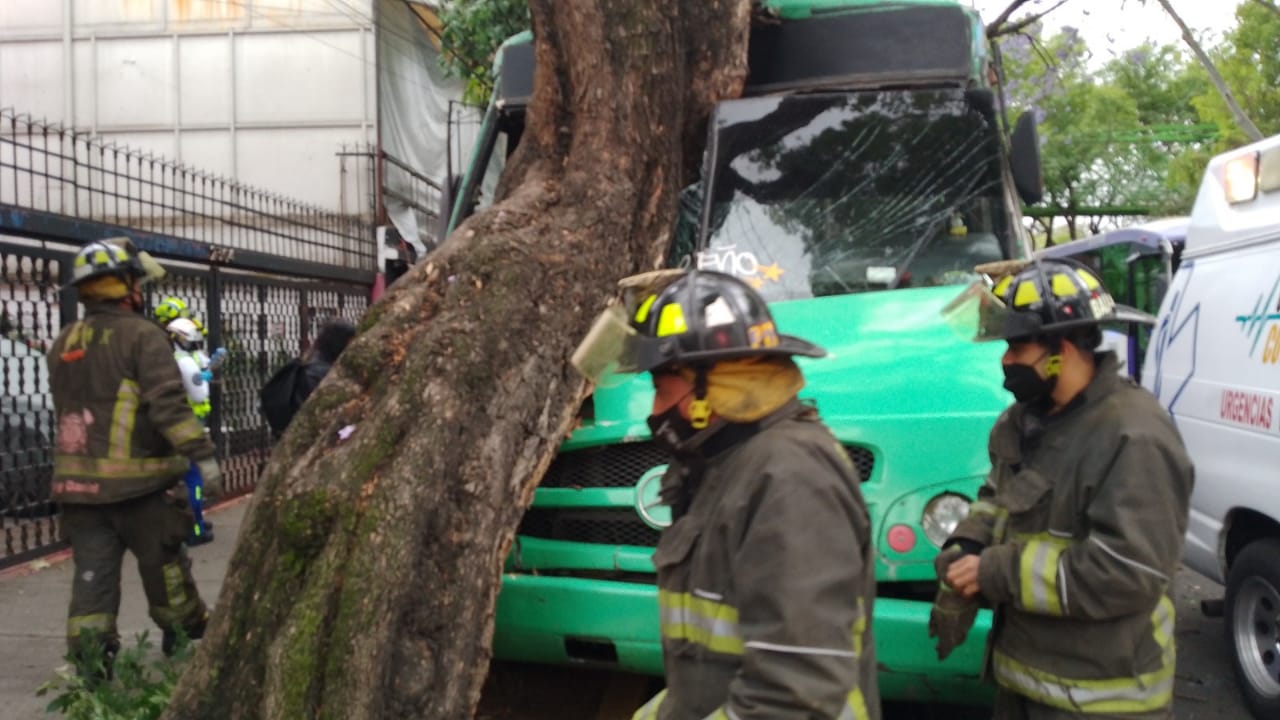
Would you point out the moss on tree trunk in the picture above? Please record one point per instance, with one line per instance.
(364, 579)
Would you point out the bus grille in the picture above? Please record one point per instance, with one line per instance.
(618, 465)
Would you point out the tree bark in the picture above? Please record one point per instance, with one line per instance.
(1242, 119)
(364, 580)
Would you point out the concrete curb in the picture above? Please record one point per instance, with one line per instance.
(47, 561)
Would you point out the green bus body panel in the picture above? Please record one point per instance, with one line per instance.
(539, 614)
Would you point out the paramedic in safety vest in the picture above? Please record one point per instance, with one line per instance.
(124, 439)
(172, 308)
(1077, 533)
(195, 367)
(765, 577)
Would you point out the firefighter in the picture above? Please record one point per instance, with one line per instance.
(1076, 535)
(125, 436)
(765, 577)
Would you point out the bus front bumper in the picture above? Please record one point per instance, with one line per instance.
(602, 623)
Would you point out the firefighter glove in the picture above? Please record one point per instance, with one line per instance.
(211, 474)
(950, 619)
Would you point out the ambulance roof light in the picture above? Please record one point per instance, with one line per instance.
(1240, 178)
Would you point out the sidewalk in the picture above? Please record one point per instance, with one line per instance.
(33, 611)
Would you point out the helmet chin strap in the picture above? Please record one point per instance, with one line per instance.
(699, 408)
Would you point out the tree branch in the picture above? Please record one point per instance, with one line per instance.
(1215, 77)
(1270, 5)
(994, 31)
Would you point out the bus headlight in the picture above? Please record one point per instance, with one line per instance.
(941, 516)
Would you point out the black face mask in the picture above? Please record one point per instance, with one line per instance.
(671, 430)
(1026, 384)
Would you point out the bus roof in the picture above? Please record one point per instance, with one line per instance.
(1148, 238)
(792, 9)
(1239, 198)
(825, 43)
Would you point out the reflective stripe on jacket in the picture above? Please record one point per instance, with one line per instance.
(766, 584)
(1083, 516)
(124, 427)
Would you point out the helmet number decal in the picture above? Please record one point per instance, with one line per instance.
(762, 335)
(1102, 305)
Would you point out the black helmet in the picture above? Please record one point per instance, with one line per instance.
(1053, 297)
(1045, 298)
(114, 256)
(698, 318)
(704, 317)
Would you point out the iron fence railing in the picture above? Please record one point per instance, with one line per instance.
(51, 172)
(262, 320)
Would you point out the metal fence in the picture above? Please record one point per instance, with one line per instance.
(261, 271)
(53, 179)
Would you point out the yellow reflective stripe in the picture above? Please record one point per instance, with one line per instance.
(642, 313)
(855, 707)
(122, 419)
(719, 714)
(1026, 294)
(80, 466)
(98, 622)
(1162, 619)
(175, 588)
(1144, 693)
(1064, 286)
(860, 627)
(649, 711)
(1002, 287)
(184, 432)
(984, 507)
(671, 320)
(699, 620)
(1039, 575)
(1000, 526)
(1090, 281)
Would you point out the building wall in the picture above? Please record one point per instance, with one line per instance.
(266, 92)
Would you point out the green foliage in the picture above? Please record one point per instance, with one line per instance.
(473, 30)
(139, 690)
(1249, 60)
(1118, 139)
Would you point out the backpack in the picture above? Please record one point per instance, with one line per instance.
(282, 395)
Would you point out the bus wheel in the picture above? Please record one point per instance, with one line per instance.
(1253, 625)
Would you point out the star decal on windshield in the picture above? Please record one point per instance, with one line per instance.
(771, 271)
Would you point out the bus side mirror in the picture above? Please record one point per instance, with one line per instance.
(1024, 159)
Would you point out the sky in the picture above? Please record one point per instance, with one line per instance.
(1113, 26)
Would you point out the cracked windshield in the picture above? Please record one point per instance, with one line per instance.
(833, 194)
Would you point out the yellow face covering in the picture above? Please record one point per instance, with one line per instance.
(748, 389)
(106, 287)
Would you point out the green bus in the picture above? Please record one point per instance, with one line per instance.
(865, 171)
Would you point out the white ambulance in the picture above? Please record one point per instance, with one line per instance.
(1214, 363)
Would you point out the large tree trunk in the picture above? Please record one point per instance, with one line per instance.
(364, 581)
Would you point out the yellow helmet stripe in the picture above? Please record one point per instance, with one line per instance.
(1063, 286)
(1002, 287)
(642, 313)
(671, 321)
(1090, 281)
(1026, 294)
